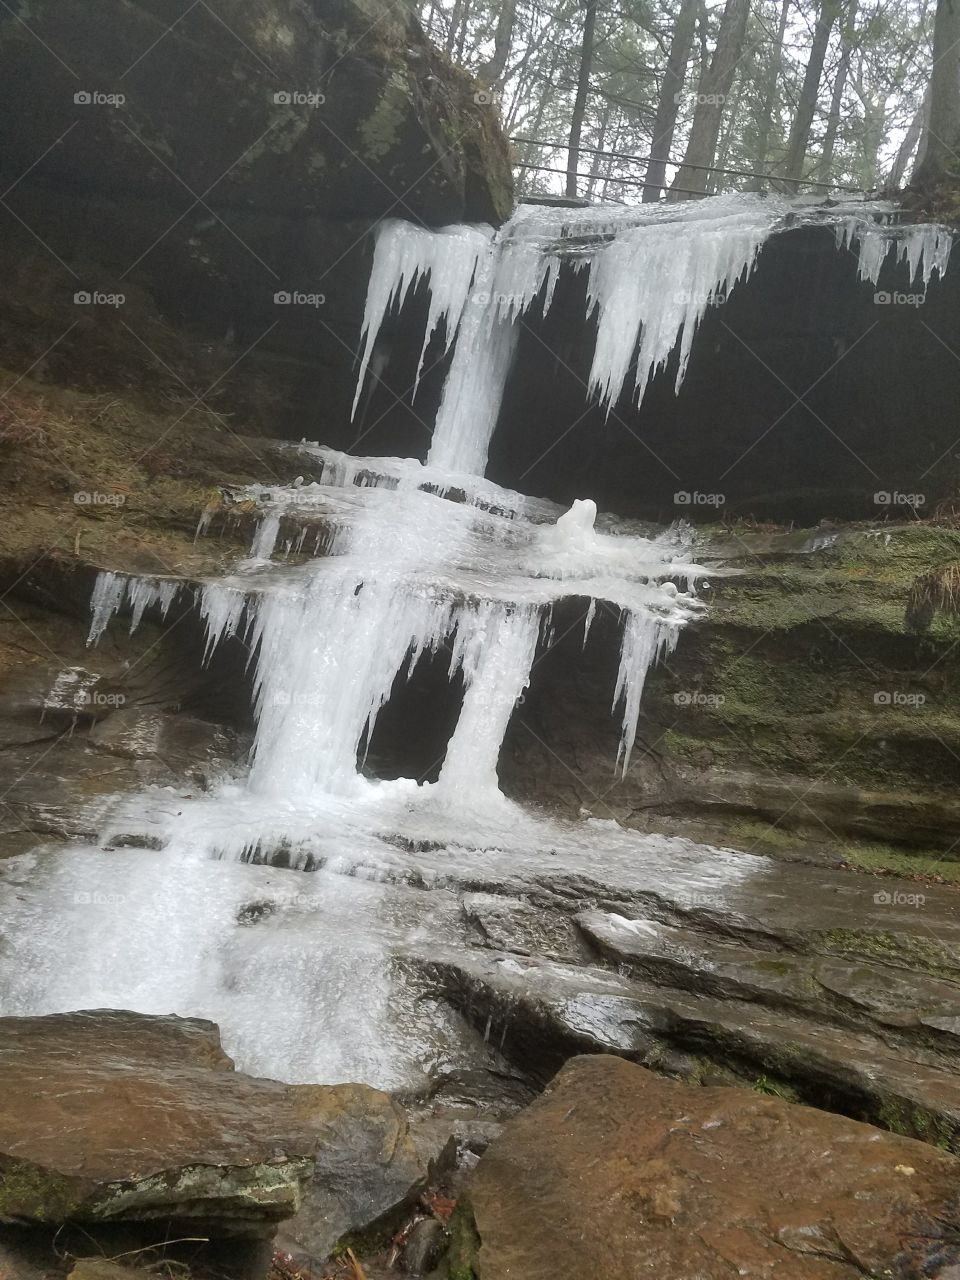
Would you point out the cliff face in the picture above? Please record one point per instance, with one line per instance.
(294, 107)
(219, 174)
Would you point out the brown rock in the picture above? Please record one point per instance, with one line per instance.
(372, 1163)
(100, 1269)
(618, 1173)
(110, 1116)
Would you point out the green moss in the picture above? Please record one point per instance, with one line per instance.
(909, 1121)
(909, 950)
(775, 1089)
(922, 862)
(28, 1191)
(380, 132)
(464, 1243)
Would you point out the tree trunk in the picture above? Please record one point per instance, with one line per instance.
(451, 41)
(462, 42)
(597, 162)
(713, 92)
(909, 144)
(580, 101)
(491, 72)
(906, 147)
(942, 135)
(724, 147)
(836, 100)
(668, 105)
(807, 105)
(765, 127)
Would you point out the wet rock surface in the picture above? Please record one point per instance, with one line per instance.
(372, 1164)
(113, 1116)
(803, 716)
(616, 1172)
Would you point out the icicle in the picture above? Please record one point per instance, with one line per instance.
(326, 664)
(265, 538)
(142, 594)
(107, 597)
(405, 254)
(222, 609)
(656, 282)
(515, 272)
(646, 637)
(925, 247)
(494, 647)
(588, 620)
(113, 590)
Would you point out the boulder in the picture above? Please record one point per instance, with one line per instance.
(340, 108)
(235, 255)
(111, 1116)
(372, 1163)
(615, 1172)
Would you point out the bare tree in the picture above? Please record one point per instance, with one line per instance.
(909, 144)
(770, 91)
(713, 91)
(583, 92)
(491, 72)
(668, 103)
(836, 98)
(799, 138)
(941, 140)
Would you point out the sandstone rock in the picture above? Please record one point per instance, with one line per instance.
(617, 1173)
(371, 1164)
(539, 1013)
(831, 990)
(110, 1116)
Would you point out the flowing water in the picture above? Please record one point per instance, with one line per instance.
(307, 973)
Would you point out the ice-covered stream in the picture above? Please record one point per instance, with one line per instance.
(305, 973)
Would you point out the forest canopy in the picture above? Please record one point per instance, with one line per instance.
(626, 100)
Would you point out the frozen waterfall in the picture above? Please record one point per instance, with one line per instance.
(652, 273)
(417, 559)
(191, 901)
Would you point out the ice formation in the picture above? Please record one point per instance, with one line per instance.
(412, 557)
(409, 571)
(350, 580)
(652, 273)
(406, 255)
